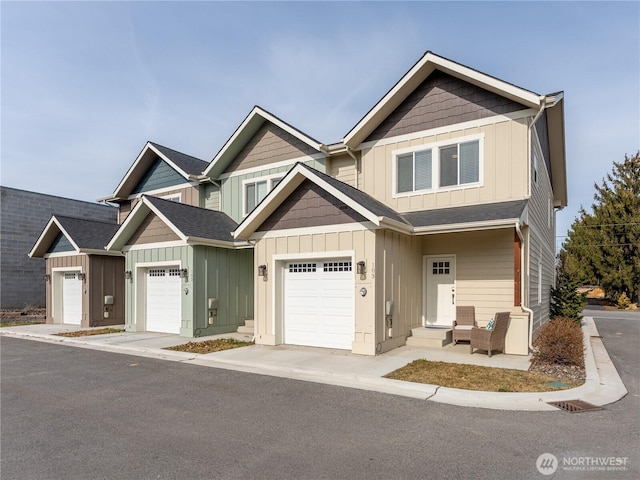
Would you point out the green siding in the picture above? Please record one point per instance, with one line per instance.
(221, 273)
(227, 275)
(210, 196)
(159, 175)
(61, 244)
(231, 191)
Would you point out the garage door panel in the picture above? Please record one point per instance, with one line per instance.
(71, 298)
(319, 304)
(163, 303)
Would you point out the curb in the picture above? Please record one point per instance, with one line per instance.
(602, 384)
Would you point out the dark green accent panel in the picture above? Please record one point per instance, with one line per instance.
(159, 175)
(61, 244)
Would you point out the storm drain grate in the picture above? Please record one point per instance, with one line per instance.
(575, 406)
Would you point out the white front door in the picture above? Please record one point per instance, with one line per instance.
(319, 303)
(71, 298)
(440, 308)
(164, 302)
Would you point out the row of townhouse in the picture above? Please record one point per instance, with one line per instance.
(444, 194)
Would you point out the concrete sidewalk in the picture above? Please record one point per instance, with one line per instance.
(338, 367)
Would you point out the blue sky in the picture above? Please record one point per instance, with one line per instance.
(84, 85)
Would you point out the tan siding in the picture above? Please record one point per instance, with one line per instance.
(439, 101)
(124, 210)
(152, 230)
(504, 168)
(188, 195)
(484, 268)
(269, 144)
(343, 168)
(308, 206)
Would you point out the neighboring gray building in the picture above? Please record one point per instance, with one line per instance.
(23, 216)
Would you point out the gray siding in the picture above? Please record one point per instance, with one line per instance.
(159, 175)
(152, 230)
(23, 216)
(439, 101)
(60, 244)
(269, 144)
(310, 206)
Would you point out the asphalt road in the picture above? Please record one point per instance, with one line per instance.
(72, 413)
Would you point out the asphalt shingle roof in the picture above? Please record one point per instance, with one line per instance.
(195, 221)
(188, 164)
(88, 233)
(466, 214)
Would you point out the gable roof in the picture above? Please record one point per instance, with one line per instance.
(190, 168)
(467, 218)
(367, 206)
(194, 225)
(429, 63)
(245, 132)
(85, 236)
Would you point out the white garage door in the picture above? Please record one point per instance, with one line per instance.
(71, 298)
(164, 310)
(318, 303)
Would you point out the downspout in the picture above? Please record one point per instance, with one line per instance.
(522, 269)
(355, 162)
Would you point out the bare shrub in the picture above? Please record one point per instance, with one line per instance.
(559, 342)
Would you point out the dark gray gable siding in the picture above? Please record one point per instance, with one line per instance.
(543, 136)
(442, 100)
(195, 221)
(310, 206)
(61, 244)
(159, 175)
(467, 214)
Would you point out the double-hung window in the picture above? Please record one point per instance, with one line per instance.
(440, 166)
(255, 191)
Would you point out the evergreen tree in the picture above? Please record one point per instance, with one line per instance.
(603, 247)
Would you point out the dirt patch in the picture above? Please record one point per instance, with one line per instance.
(86, 333)
(210, 346)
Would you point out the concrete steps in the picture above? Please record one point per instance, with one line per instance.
(429, 337)
(247, 327)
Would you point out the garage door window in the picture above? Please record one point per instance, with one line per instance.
(337, 266)
(302, 267)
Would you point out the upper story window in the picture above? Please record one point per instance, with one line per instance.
(174, 197)
(256, 189)
(438, 167)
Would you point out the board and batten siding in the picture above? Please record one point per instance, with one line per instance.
(210, 196)
(398, 275)
(269, 316)
(503, 168)
(343, 168)
(106, 277)
(232, 191)
(135, 288)
(227, 275)
(484, 268)
(188, 195)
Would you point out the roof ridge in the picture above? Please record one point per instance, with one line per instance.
(68, 217)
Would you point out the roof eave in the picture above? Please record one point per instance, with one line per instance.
(467, 227)
(209, 242)
(557, 150)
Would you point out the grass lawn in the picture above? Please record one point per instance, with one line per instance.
(474, 377)
(210, 346)
(86, 333)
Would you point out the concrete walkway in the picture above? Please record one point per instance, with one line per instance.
(338, 367)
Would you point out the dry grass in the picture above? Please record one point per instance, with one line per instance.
(210, 346)
(21, 323)
(474, 377)
(86, 333)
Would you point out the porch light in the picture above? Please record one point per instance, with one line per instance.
(46, 277)
(128, 275)
(82, 276)
(361, 267)
(262, 270)
(184, 273)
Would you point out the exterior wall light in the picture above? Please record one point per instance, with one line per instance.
(128, 275)
(361, 267)
(262, 270)
(82, 276)
(46, 277)
(184, 273)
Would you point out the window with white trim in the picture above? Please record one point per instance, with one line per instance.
(444, 166)
(255, 191)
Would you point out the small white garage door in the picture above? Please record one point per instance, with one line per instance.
(164, 309)
(318, 303)
(71, 298)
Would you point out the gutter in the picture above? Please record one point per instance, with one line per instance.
(522, 268)
(203, 179)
